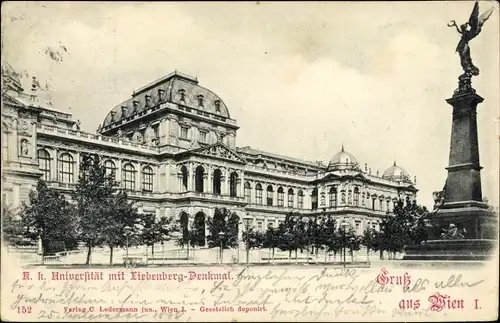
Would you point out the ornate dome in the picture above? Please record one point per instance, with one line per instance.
(343, 160)
(176, 88)
(396, 173)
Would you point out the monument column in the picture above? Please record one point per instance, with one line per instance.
(462, 203)
(463, 183)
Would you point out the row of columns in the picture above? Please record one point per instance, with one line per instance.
(208, 180)
(307, 201)
(253, 196)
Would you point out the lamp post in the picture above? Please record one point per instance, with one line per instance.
(344, 225)
(221, 236)
(240, 223)
(351, 240)
(311, 227)
(127, 232)
(247, 242)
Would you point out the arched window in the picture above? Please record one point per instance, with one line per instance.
(314, 199)
(363, 199)
(349, 197)
(216, 189)
(66, 168)
(184, 174)
(110, 168)
(290, 198)
(356, 196)
(44, 164)
(147, 179)
(388, 203)
(342, 197)
(270, 195)
(281, 196)
(300, 199)
(381, 204)
(198, 182)
(258, 194)
(248, 192)
(233, 184)
(373, 202)
(333, 197)
(128, 177)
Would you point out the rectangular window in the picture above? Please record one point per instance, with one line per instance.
(147, 181)
(203, 136)
(156, 131)
(248, 196)
(258, 196)
(259, 226)
(66, 171)
(290, 200)
(270, 198)
(281, 197)
(300, 202)
(333, 199)
(44, 164)
(184, 132)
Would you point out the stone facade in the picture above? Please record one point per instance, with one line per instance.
(173, 147)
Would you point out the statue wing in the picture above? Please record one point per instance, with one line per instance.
(476, 21)
(474, 16)
(485, 16)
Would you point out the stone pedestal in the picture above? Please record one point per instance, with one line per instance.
(473, 219)
(460, 249)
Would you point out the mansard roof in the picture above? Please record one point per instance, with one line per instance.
(256, 152)
(174, 88)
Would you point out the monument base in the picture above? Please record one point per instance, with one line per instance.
(461, 249)
(472, 218)
(470, 233)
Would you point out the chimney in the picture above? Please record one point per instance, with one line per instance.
(161, 93)
(148, 101)
(113, 116)
(366, 167)
(415, 179)
(377, 172)
(370, 171)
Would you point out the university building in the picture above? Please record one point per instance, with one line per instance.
(172, 146)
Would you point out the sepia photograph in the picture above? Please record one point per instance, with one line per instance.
(250, 161)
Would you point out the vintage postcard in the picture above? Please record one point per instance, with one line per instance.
(250, 161)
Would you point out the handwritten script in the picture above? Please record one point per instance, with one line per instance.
(301, 293)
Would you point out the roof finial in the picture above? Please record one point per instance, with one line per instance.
(395, 162)
(342, 147)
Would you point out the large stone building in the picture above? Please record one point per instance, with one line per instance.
(172, 145)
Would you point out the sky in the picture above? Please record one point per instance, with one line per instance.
(301, 79)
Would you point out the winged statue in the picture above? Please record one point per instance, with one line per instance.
(469, 31)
